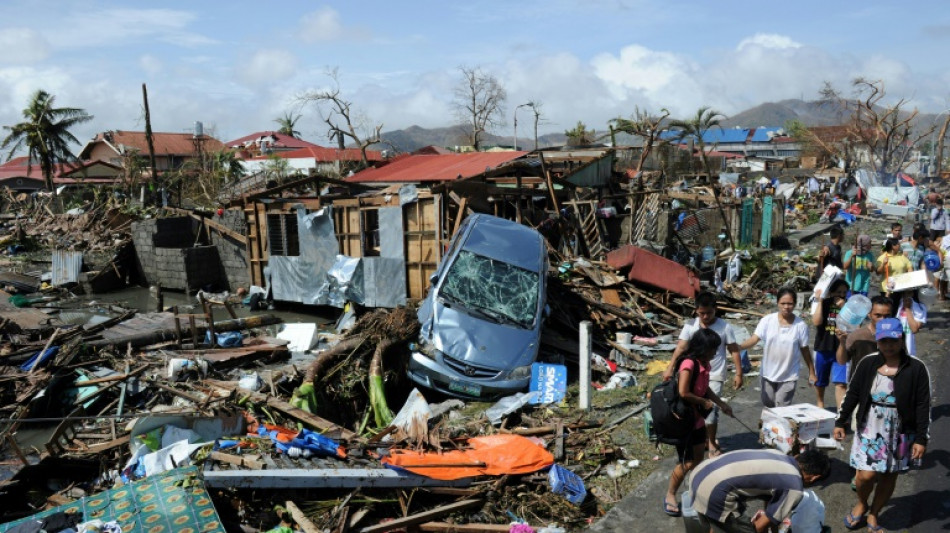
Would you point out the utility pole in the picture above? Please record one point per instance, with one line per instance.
(148, 139)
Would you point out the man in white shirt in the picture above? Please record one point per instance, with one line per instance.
(706, 318)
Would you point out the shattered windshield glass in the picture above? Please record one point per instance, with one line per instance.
(498, 290)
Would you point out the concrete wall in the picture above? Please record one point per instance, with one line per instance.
(233, 254)
(167, 255)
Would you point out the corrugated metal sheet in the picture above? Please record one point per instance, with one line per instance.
(419, 168)
(761, 135)
(595, 174)
(647, 267)
(66, 267)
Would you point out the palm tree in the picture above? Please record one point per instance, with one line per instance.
(45, 134)
(705, 119)
(287, 124)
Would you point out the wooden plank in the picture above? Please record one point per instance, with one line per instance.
(422, 517)
(611, 296)
(459, 215)
(237, 460)
(445, 527)
(105, 446)
(298, 414)
(305, 524)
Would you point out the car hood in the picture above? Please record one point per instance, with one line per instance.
(478, 341)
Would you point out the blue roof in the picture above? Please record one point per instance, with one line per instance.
(713, 136)
(733, 135)
(761, 135)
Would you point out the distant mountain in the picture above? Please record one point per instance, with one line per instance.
(769, 114)
(778, 113)
(415, 137)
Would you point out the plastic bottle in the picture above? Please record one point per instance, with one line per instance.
(709, 253)
(932, 260)
(853, 313)
(927, 296)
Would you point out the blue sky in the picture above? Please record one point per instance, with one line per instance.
(237, 65)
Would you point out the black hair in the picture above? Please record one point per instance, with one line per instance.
(705, 299)
(897, 225)
(814, 463)
(786, 290)
(702, 342)
(939, 201)
(921, 233)
(880, 299)
(890, 243)
(836, 232)
(835, 285)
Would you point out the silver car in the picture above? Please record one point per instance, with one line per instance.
(481, 321)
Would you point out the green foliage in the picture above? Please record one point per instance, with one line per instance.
(580, 135)
(45, 134)
(287, 123)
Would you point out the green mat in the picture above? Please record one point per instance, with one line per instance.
(171, 502)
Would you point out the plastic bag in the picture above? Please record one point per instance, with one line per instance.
(508, 405)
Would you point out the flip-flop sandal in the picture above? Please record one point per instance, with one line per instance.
(667, 509)
(854, 522)
(876, 529)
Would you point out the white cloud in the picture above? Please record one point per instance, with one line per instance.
(325, 25)
(22, 46)
(768, 40)
(267, 67)
(151, 64)
(88, 28)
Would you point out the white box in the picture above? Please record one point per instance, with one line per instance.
(909, 281)
(828, 276)
(785, 427)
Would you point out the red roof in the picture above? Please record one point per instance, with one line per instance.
(276, 140)
(433, 150)
(419, 168)
(63, 174)
(324, 154)
(164, 143)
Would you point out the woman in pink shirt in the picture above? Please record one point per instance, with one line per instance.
(693, 368)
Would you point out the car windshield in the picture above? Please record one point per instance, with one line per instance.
(496, 289)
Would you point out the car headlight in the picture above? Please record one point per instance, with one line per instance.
(521, 372)
(425, 348)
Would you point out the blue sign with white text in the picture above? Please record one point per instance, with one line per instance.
(550, 381)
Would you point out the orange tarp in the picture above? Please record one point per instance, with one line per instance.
(494, 455)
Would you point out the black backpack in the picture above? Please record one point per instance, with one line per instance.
(673, 418)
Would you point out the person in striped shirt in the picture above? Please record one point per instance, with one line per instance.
(720, 487)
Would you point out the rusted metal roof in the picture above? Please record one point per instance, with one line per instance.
(165, 143)
(276, 139)
(322, 154)
(428, 168)
(80, 172)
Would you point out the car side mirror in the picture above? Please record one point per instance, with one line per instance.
(433, 278)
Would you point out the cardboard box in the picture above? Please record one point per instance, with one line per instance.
(788, 428)
(828, 276)
(909, 281)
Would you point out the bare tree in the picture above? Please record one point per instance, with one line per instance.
(538, 117)
(938, 159)
(479, 102)
(343, 121)
(641, 124)
(889, 132)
